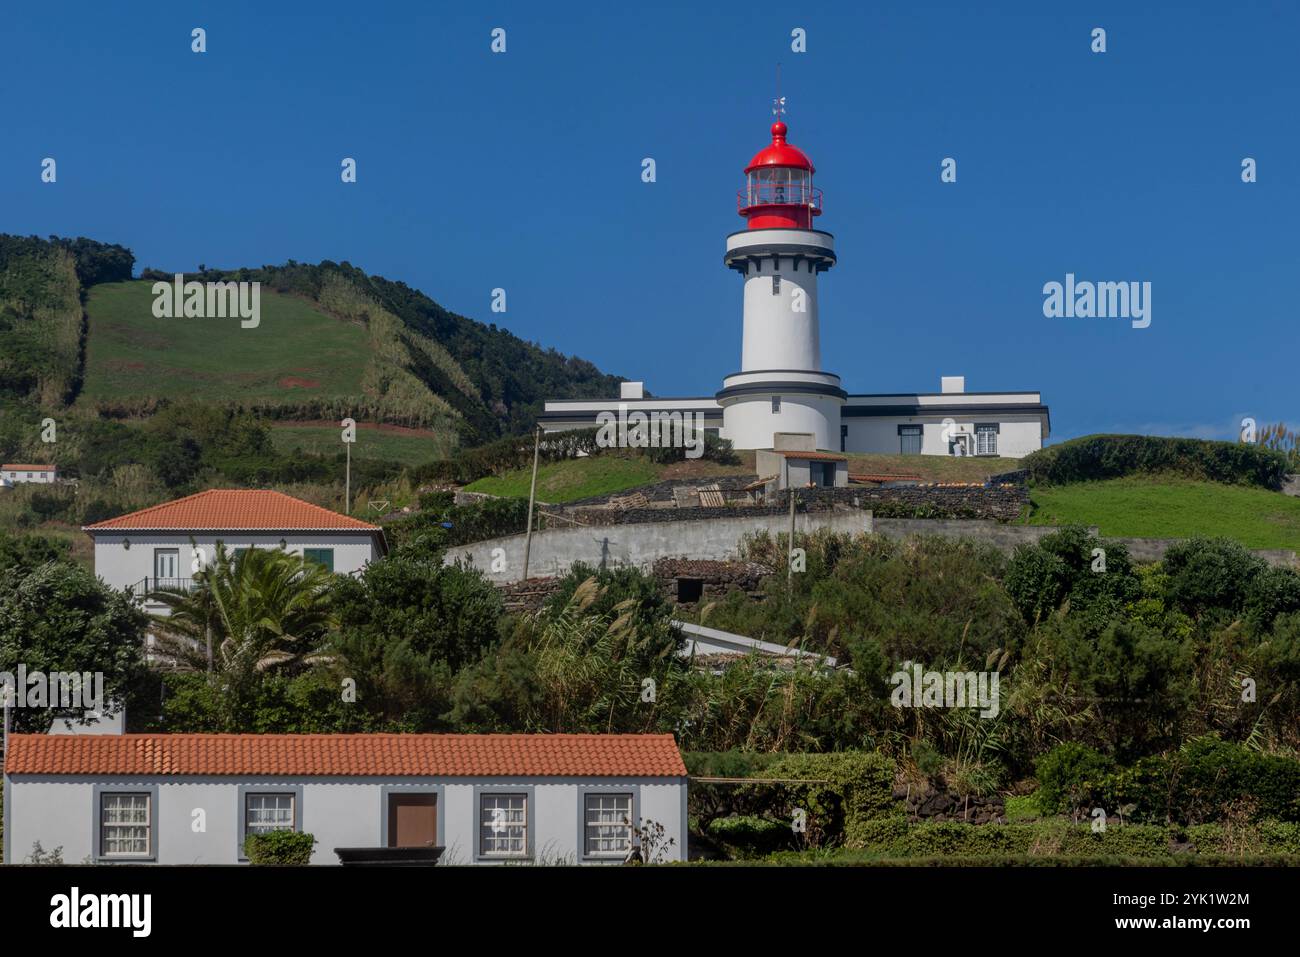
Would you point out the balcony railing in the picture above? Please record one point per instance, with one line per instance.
(150, 586)
(779, 194)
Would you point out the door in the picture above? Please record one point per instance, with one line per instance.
(166, 563)
(412, 820)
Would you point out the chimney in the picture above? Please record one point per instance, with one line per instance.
(952, 384)
(631, 390)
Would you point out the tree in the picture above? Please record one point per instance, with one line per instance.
(258, 611)
(58, 617)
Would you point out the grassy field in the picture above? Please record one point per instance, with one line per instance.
(933, 468)
(294, 353)
(389, 443)
(559, 482)
(1172, 508)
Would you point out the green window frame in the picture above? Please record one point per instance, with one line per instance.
(321, 556)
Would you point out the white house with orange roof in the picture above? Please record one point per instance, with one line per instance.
(484, 798)
(163, 546)
(17, 473)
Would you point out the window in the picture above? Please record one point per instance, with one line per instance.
(166, 563)
(607, 825)
(909, 439)
(125, 825)
(503, 825)
(268, 812)
(776, 405)
(986, 439)
(844, 438)
(776, 285)
(321, 556)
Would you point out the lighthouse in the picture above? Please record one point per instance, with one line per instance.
(781, 386)
(782, 401)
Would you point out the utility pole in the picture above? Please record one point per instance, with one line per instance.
(349, 436)
(789, 558)
(532, 495)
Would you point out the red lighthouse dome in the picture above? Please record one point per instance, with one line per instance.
(780, 153)
(778, 192)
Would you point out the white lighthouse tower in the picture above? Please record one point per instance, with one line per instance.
(780, 386)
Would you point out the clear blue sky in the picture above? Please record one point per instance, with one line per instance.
(522, 171)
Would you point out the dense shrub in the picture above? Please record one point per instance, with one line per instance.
(1207, 780)
(1096, 457)
(1068, 774)
(845, 791)
(1097, 577)
(1218, 576)
(279, 848)
(28, 551)
(749, 836)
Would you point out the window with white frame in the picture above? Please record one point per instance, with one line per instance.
(268, 812)
(124, 825)
(986, 439)
(607, 820)
(503, 825)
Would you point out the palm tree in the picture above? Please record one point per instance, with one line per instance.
(254, 612)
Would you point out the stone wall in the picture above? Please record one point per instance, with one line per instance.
(528, 595)
(1003, 503)
(716, 577)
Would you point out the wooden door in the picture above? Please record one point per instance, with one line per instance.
(412, 820)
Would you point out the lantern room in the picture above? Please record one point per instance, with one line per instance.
(778, 192)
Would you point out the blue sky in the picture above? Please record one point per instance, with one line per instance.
(522, 171)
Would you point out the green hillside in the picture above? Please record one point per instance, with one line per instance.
(77, 329)
(295, 352)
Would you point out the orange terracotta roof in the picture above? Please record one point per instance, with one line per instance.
(348, 755)
(882, 477)
(227, 510)
(29, 468)
(813, 456)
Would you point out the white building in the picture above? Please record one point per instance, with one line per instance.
(781, 385)
(163, 546)
(486, 799)
(16, 473)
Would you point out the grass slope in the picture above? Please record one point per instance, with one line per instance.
(296, 352)
(386, 443)
(1172, 508)
(567, 481)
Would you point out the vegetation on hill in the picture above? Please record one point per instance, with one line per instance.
(492, 380)
(1144, 667)
(1098, 457)
(139, 409)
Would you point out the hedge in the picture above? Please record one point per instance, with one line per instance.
(844, 792)
(284, 848)
(1095, 457)
(1206, 780)
(749, 836)
(896, 837)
